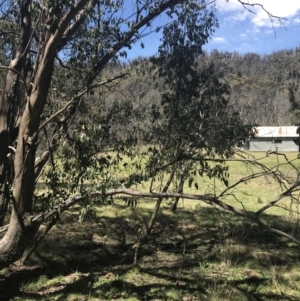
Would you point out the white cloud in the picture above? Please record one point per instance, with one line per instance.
(219, 40)
(243, 35)
(284, 9)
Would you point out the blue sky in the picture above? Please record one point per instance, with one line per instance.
(241, 31)
(244, 32)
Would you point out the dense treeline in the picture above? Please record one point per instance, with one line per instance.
(264, 90)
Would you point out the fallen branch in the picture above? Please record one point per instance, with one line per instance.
(207, 198)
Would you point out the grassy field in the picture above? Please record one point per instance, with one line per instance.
(199, 253)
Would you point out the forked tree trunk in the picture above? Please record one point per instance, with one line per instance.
(21, 229)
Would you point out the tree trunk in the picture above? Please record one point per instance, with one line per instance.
(180, 190)
(4, 200)
(15, 240)
(146, 232)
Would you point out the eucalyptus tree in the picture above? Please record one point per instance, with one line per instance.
(196, 131)
(193, 121)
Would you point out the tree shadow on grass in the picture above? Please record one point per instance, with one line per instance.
(11, 283)
(202, 253)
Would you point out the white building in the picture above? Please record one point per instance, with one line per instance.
(274, 138)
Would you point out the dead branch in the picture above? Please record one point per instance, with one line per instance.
(248, 6)
(207, 198)
(278, 198)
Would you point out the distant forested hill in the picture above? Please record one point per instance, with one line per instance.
(264, 89)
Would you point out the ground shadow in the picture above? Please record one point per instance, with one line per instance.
(182, 255)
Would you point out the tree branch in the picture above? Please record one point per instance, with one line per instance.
(278, 198)
(72, 28)
(126, 39)
(62, 64)
(248, 6)
(66, 19)
(78, 95)
(207, 198)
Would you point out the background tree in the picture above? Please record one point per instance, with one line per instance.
(193, 120)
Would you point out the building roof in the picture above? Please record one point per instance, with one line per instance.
(276, 131)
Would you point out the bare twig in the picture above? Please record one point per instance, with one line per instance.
(61, 63)
(278, 198)
(248, 6)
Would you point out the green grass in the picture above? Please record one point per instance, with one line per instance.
(252, 194)
(200, 253)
